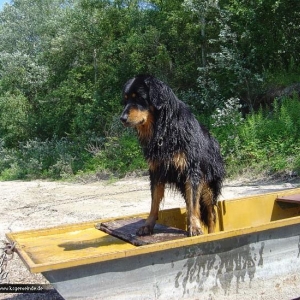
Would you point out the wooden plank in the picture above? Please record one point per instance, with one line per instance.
(289, 199)
(125, 229)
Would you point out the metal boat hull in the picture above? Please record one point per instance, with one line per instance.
(248, 266)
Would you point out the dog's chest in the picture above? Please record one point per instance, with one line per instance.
(176, 162)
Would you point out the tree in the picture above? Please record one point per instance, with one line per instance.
(202, 9)
(270, 29)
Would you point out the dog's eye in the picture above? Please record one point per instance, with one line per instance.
(133, 95)
(126, 97)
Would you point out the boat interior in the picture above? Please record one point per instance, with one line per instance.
(77, 244)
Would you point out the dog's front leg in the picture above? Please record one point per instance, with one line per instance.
(157, 194)
(192, 197)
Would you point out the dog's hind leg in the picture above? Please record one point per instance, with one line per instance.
(208, 214)
(192, 196)
(157, 194)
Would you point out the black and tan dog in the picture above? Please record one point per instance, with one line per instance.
(179, 150)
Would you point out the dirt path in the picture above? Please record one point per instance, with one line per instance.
(38, 204)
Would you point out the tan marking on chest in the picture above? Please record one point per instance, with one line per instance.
(145, 130)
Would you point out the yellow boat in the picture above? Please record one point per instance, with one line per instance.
(254, 252)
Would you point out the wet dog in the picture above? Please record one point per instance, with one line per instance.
(179, 151)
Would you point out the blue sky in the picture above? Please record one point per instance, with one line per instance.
(2, 2)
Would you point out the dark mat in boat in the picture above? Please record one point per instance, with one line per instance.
(125, 229)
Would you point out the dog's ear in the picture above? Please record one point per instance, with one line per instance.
(156, 91)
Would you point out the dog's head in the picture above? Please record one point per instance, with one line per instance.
(141, 96)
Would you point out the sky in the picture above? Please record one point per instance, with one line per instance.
(2, 3)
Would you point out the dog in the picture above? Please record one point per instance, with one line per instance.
(179, 150)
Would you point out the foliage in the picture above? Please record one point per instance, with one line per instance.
(56, 158)
(268, 141)
(118, 154)
(63, 64)
(14, 121)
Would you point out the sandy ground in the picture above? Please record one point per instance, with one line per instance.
(39, 204)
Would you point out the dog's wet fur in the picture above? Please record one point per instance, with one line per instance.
(179, 151)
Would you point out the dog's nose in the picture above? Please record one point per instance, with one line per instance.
(124, 118)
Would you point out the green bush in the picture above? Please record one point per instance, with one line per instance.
(56, 158)
(119, 153)
(266, 141)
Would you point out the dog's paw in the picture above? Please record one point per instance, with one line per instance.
(144, 230)
(194, 230)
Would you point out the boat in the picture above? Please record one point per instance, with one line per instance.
(254, 253)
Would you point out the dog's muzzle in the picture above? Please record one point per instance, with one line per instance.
(124, 118)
